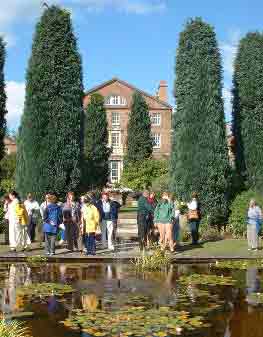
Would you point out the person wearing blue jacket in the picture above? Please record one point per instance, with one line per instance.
(109, 211)
(52, 219)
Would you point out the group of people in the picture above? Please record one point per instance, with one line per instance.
(77, 222)
(162, 217)
(80, 223)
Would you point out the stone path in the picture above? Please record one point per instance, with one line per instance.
(127, 250)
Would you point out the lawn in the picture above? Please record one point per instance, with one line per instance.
(223, 248)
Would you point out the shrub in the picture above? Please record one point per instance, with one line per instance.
(238, 217)
(211, 234)
(161, 183)
(140, 175)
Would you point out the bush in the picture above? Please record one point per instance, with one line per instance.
(140, 175)
(211, 234)
(7, 172)
(161, 183)
(238, 217)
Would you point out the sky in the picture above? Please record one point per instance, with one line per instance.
(135, 40)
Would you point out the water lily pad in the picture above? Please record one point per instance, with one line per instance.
(239, 264)
(211, 280)
(44, 289)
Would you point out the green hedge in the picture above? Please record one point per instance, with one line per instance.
(238, 217)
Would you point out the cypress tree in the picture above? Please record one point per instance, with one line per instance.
(248, 109)
(139, 139)
(50, 137)
(2, 99)
(199, 159)
(96, 149)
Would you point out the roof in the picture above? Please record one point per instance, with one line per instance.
(115, 79)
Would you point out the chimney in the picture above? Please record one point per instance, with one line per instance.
(162, 91)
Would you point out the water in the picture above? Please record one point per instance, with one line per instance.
(110, 287)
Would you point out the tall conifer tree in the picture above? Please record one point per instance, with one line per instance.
(2, 99)
(199, 155)
(96, 150)
(139, 140)
(248, 109)
(50, 137)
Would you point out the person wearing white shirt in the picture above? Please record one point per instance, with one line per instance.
(32, 208)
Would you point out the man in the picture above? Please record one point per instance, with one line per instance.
(144, 211)
(108, 216)
(32, 208)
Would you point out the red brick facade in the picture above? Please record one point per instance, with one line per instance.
(118, 99)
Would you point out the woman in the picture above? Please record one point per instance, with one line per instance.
(90, 220)
(176, 222)
(32, 208)
(52, 220)
(163, 219)
(253, 225)
(71, 220)
(18, 221)
(194, 217)
(7, 202)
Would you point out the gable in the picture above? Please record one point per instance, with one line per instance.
(121, 88)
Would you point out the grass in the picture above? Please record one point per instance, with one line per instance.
(222, 248)
(12, 329)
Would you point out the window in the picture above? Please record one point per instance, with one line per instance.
(115, 118)
(156, 141)
(156, 119)
(115, 100)
(115, 139)
(114, 171)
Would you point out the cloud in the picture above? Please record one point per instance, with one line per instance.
(229, 50)
(139, 7)
(227, 96)
(16, 11)
(15, 92)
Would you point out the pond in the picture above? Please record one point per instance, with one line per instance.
(83, 300)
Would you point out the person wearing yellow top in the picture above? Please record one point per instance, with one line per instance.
(89, 225)
(18, 223)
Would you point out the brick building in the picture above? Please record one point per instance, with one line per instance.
(10, 144)
(118, 100)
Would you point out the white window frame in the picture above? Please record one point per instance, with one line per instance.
(156, 119)
(117, 169)
(115, 100)
(157, 139)
(118, 137)
(115, 118)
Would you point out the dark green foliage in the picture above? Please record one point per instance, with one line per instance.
(140, 175)
(199, 156)
(50, 137)
(248, 109)
(2, 99)
(7, 169)
(96, 144)
(139, 140)
(238, 217)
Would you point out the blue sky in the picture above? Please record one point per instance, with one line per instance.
(135, 40)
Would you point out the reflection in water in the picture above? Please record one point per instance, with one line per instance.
(98, 287)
